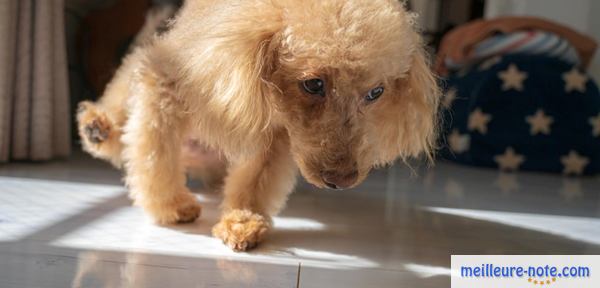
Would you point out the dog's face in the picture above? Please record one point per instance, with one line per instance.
(326, 112)
(352, 88)
(347, 80)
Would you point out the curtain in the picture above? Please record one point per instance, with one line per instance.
(35, 119)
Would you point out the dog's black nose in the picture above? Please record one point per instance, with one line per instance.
(337, 180)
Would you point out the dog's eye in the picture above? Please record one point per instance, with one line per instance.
(374, 94)
(314, 86)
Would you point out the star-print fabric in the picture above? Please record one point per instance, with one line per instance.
(523, 112)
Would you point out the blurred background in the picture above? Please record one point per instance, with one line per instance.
(517, 170)
(60, 52)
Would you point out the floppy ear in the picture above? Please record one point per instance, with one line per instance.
(408, 122)
(231, 61)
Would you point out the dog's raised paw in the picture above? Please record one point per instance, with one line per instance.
(94, 126)
(241, 230)
(97, 132)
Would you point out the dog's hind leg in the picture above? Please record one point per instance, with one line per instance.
(255, 190)
(100, 136)
(100, 123)
(153, 137)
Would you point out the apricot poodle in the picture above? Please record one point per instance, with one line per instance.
(331, 88)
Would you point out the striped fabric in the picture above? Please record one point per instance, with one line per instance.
(534, 42)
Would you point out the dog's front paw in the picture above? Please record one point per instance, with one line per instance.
(241, 230)
(183, 208)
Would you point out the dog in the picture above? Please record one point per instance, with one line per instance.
(332, 88)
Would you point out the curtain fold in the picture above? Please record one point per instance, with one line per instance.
(34, 98)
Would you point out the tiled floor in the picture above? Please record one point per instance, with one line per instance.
(70, 224)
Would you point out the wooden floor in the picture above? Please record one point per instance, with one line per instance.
(71, 224)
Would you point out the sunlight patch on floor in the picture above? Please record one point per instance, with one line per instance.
(28, 206)
(129, 230)
(427, 271)
(289, 223)
(585, 229)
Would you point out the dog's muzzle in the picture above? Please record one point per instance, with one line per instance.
(339, 180)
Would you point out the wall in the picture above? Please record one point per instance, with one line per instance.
(594, 30)
(428, 13)
(581, 15)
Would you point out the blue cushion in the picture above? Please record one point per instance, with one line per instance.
(527, 112)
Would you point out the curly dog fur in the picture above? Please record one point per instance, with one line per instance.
(231, 73)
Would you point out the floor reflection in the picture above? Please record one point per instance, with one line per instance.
(133, 270)
(400, 226)
(127, 229)
(585, 229)
(426, 271)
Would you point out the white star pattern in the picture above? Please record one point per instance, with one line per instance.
(539, 123)
(512, 78)
(489, 63)
(574, 164)
(574, 80)
(509, 161)
(449, 97)
(595, 122)
(478, 121)
(459, 143)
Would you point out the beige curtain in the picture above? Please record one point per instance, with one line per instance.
(34, 96)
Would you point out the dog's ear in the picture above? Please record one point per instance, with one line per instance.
(232, 60)
(408, 121)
